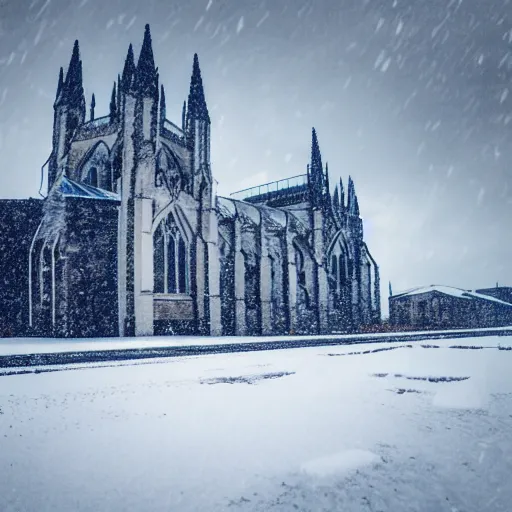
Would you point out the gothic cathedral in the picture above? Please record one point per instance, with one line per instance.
(132, 240)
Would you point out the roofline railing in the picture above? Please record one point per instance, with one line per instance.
(267, 186)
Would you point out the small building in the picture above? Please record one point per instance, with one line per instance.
(441, 307)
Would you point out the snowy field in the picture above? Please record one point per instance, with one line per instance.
(368, 427)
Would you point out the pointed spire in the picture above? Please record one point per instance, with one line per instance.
(352, 202)
(118, 94)
(146, 80)
(129, 70)
(316, 177)
(342, 196)
(73, 87)
(184, 116)
(93, 106)
(113, 103)
(163, 106)
(316, 157)
(336, 200)
(60, 84)
(197, 109)
(350, 195)
(327, 185)
(390, 289)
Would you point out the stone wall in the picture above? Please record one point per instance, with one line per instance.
(19, 220)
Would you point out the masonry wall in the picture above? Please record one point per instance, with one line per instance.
(90, 274)
(438, 311)
(19, 220)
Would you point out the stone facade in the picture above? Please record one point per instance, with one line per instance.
(443, 307)
(132, 239)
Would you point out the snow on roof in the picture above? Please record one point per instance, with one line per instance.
(70, 188)
(449, 290)
(226, 207)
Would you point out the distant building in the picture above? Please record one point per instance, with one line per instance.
(439, 307)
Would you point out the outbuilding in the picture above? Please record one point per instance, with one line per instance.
(439, 307)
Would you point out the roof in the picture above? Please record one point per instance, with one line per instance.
(449, 290)
(70, 188)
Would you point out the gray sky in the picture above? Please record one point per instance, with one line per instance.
(413, 98)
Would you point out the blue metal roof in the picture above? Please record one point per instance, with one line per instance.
(70, 188)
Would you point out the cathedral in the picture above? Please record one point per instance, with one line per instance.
(131, 238)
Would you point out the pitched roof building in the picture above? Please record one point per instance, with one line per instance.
(435, 306)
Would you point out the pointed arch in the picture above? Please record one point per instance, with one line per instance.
(171, 258)
(116, 163)
(95, 168)
(169, 171)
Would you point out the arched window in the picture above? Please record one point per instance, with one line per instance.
(170, 259)
(334, 271)
(171, 264)
(341, 267)
(92, 178)
(159, 259)
(182, 266)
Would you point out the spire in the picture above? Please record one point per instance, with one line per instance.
(73, 87)
(129, 70)
(316, 157)
(163, 107)
(390, 289)
(60, 85)
(197, 109)
(146, 80)
(316, 173)
(184, 116)
(327, 185)
(118, 94)
(350, 195)
(352, 202)
(113, 104)
(93, 106)
(336, 200)
(342, 197)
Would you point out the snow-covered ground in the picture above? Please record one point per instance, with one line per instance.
(373, 427)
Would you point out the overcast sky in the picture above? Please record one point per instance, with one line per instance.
(412, 98)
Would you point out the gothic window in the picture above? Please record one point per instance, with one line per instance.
(182, 266)
(170, 259)
(334, 271)
(171, 264)
(96, 167)
(159, 259)
(302, 291)
(342, 270)
(92, 178)
(299, 264)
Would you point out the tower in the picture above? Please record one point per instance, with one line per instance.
(139, 109)
(320, 200)
(198, 133)
(69, 113)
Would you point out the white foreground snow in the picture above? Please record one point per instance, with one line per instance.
(414, 428)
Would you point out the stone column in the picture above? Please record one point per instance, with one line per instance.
(143, 266)
(214, 275)
(322, 284)
(265, 284)
(240, 322)
(292, 282)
